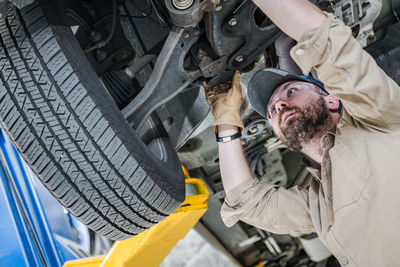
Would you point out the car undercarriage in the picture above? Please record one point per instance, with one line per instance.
(153, 57)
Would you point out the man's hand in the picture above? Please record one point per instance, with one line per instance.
(225, 101)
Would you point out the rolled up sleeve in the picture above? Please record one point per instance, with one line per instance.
(274, 209)
(349, 73)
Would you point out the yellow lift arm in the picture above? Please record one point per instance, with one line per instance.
(153, 245)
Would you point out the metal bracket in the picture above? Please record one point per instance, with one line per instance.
(211, 68)
(257, 37)
(234, 32)
(362, 13)
(168, 78)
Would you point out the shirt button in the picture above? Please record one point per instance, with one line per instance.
(330, 197)
(299, 52)
(344, 260)
(329, 227)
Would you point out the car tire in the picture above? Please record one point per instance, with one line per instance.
(73, 136)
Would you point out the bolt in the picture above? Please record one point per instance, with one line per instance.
(239, 58)
(201, 54)
(186, 35)
(253, 129)
(233, 22)
(182, 4)
(170, 120)
(218, 8)
(197, 32)
(370, 39)
(94, 36)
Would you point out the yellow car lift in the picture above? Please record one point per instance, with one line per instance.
(153, 245)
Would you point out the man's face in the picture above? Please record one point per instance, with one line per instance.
(298, 113)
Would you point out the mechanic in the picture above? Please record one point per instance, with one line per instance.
(353, 202)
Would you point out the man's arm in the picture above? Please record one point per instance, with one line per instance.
(294, 17)
(304, 16)
(274, 209)
(232, 162)
(370, 98)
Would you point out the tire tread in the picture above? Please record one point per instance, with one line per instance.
(62, 134)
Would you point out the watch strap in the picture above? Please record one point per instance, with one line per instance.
(228, 138)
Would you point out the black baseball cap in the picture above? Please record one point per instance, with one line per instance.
(264, 82)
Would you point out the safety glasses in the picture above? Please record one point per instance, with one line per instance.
(284, 93)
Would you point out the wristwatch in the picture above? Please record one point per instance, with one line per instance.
(228, 138)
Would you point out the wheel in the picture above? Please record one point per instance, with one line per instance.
(65, 125)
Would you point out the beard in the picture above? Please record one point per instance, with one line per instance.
(310, 122)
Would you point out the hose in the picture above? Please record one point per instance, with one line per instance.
(110, 35)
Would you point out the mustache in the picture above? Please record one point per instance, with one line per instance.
(285, 109)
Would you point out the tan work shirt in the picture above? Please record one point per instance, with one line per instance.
(354, 203)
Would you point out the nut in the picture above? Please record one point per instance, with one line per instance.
(239, 58)
(233, 22)
(218, 7)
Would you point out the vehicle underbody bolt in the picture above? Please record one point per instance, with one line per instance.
(182, 4)
(201, 54)
(218, 7)
(253, 129)
(239, 58)
(186, 35)
(233, 22)
(94, 36)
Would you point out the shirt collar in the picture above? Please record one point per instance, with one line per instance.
(328, 139)
(327, 142)
(316, 172)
